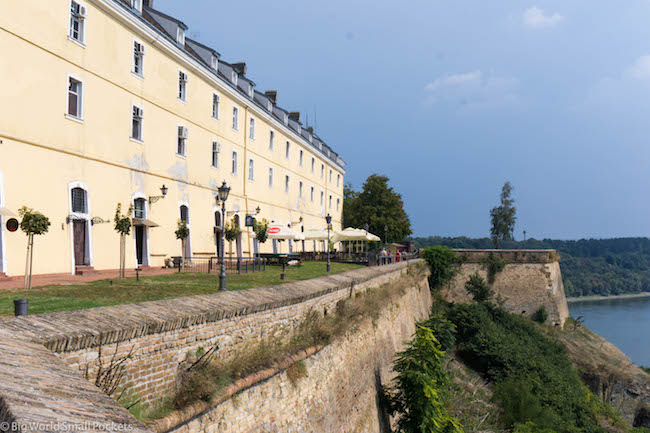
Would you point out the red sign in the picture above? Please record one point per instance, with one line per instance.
(274, 230)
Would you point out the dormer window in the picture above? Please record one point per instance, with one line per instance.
(269, 106)
(286, 119)
(180, 36)
(234, 77)
(137, 5)
(250, 90)
(215, 63)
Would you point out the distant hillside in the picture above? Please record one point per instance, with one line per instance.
(589, 266)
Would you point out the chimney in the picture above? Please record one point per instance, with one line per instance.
(240, 68)
(148, 3)
(295, 116)
(310, 129)
(272, 95)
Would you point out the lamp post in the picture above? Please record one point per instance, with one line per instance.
(224, 190)
(328, 219)
(155, 198)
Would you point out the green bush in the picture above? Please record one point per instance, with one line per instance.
(520, 405)
(506, 347)
(478, 288)
(422, 386)
(494, 264)
(541, 315)
(530, 427)
(443, 265)
(443, 329)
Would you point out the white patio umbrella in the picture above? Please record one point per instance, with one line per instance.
(316, 235)
(352, 234)
(284, 234)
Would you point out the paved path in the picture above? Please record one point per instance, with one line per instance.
(67, 279)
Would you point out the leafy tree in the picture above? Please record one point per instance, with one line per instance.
(442, 262)
(261, 230)
(182, 232)
(503, 217)
(478, 288)
(379, 206)
(231, 231)
(123, 227)
(33, 223)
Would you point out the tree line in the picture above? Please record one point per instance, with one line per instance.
(601, 267)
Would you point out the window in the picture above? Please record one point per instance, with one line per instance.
(271, 138)
(287, 149)
(313, 164)
(338, 203)
(215, 106)
(182, 86)
(322, 171)
(270, 177)
(251, 169)
(234, 77)
(79, 202)
(330, 203)
(185, 214)
(137, 4)
(182, 141)
(301, 155)
(322, 198)
(338, 180)
(311, 195)
(216, 150)
(77, 22)
(300, 189)
(180, 36)
(136, 123)
(140, 208)
(235, 118)
(75, 98)
(215, 63)
(330, 176)
(234, 163)
(138, 58)
(252, 129)
(286, 183)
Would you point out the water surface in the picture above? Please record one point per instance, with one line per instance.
(623, 322)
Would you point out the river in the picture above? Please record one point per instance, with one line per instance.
(623, 322)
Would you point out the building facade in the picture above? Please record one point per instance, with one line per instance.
(106, 102)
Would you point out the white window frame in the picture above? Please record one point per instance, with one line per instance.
(251, 132)
(137, 5)
(313, 164)
(300, 189)
(141, 138)
(133, 53)
(147, 257)
(178, 137)
(235, 118)
(302, 154)
(235, 77)
(251, 169)
(322, 198)
(82, 24)
(85, 216)
(330, 175)
(182, 92)
(216, 150)
(180, 35)
(235, 163)
(287, 150)
(322, 171)
(216, 105)
(338, 180)
(271, 139)
(287, 182)
(311, 195)
(80, 99)
(330, 203)
(270, 177)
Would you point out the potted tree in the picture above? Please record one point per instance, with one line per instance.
(32, 223)
(182, 232)
(123, 226)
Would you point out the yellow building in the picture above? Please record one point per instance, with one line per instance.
(106, 101)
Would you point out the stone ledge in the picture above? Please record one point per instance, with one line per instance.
(75, 330)
(42, 394)
(512, 256)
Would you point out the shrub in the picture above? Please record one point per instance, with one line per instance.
(494, 264)
(520, 405)
(530, 427)
(478, 288)
(503, 346)
(541, 315)
(261, 230)
(422, 386)
(443, 329)
(443, 265)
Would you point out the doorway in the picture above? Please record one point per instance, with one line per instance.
(79, 235)
(140, 244)
(217, 233)
(186, 246)
(140, 231)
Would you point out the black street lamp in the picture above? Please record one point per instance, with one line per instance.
(328, 219)
(224, 190)
(155, 198)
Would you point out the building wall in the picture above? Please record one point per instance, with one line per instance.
(42, 151)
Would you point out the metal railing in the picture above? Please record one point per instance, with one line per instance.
(388, 260)
(212, 265)
(371, 259)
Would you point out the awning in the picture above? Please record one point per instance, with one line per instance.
(316, 235)
(146, 223)
(352, 234)
(6, 212)
(284, 234)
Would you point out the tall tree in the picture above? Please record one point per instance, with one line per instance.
(503, 217)
(379, 206)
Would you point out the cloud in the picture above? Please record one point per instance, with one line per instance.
(640, 70)
(472, 91)
(535, 18)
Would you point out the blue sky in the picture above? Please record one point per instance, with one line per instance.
(450, 99)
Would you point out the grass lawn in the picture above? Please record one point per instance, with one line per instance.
(48, 299)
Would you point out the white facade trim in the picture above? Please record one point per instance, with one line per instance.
(189, 220)
(146, 258)
(80, 102)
